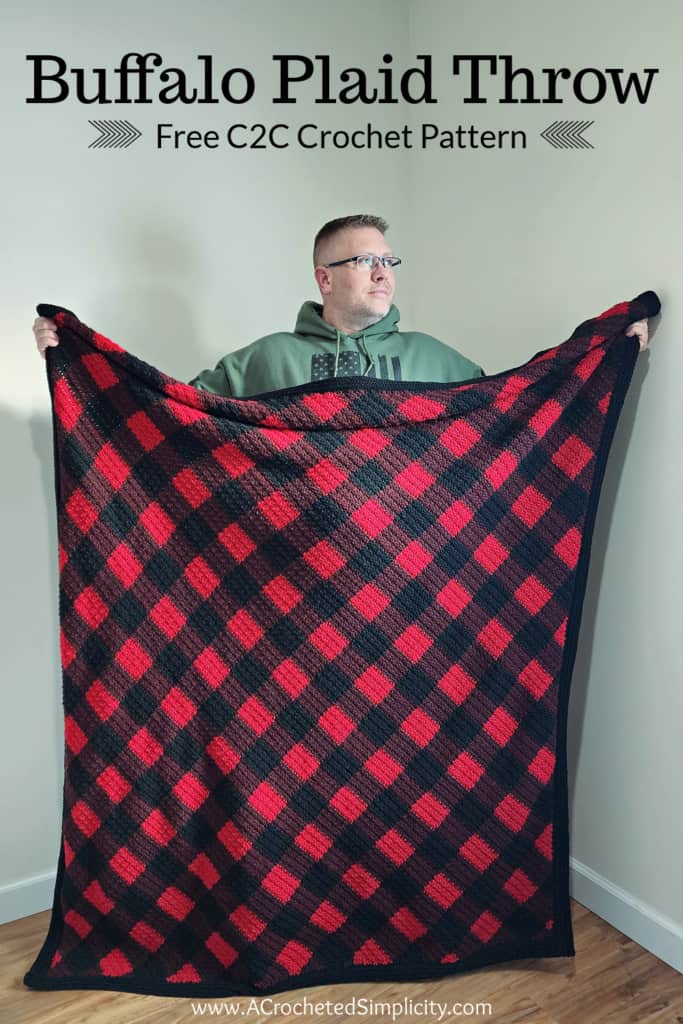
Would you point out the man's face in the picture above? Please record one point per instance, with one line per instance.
(360, 295)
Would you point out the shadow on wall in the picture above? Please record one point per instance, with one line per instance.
(32, 731)
(603, 521)
(40, 429)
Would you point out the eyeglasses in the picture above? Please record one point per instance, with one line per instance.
(367, 261)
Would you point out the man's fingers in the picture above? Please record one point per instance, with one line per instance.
(639, 329)
(44, 338)
(44, 321)
(43, 343)
(45, 333)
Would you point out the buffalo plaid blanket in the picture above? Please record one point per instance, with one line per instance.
(316, 648)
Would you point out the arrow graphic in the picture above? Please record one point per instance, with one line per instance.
(114, 133)
(567, 135)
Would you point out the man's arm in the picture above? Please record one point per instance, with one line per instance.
(216, 381)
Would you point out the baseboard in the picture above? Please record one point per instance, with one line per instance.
(642, 923)
(21, 899)
(645, 925)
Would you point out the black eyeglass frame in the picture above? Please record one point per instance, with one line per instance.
(388, 262)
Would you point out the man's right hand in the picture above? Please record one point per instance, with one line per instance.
(45, 333)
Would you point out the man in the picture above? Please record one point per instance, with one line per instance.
(353, 332)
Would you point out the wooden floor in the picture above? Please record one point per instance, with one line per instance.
(610, 981)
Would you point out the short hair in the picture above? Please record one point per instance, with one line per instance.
(355, 220)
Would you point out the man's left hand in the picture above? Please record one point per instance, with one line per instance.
(640, 329)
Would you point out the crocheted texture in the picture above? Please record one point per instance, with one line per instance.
(317, 647)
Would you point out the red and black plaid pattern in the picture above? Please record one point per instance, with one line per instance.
(316, 648)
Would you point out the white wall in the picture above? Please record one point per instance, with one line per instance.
(183, 256)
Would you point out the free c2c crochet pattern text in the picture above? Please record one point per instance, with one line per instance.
(242, 137)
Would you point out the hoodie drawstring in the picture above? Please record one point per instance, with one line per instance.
(371, 359)
(336, 358)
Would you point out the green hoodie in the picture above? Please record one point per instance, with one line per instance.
(317, 350)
